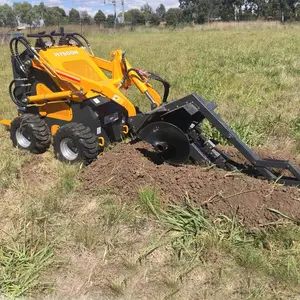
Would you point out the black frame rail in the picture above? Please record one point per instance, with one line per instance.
(264, 166)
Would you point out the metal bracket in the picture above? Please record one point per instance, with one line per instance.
(5, 122)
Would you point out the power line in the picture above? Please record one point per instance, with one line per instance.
(123, 11)
(114, 3)
(67, 4)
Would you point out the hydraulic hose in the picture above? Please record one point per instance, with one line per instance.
(14, 49)
(15, 53)
(143, 74)
(85, 40)
(12, 94)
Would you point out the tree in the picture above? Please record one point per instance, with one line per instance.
(154, 19)
(60, 10)
(292, 5)
(226, 10)
(281, 10)
(110, 20)
(74, 16)
(40, 10)
(147, 9)
(26, 13)
(287, 9)
(161, 11)
(99, 17)
(202, 11)
(207, 10)
(23, 12)
(134, 16)
(174, 16)
(55, 16)
(11, 19)
(86, 19)
(297, 12)
(32, 18)
(7, 16)
(238, 8)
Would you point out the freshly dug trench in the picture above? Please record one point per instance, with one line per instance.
(124, 170)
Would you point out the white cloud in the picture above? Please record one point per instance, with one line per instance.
(54, 2)
(91, 11)
(153, 3)
(5, 2)
(93, 6)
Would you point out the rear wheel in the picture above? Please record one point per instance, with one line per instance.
(30, 132)
(75, 142)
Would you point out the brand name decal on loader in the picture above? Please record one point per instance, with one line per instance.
(66, 53)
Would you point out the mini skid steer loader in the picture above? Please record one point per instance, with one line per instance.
(63, 91)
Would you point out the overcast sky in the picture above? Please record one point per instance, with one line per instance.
(92, 6)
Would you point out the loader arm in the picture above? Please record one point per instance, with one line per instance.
(125, 75)
(89, 87)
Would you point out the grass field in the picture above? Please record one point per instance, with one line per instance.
(57, 241)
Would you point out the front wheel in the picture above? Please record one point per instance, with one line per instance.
(75, 142)
(30, 132)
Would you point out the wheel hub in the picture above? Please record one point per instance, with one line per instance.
(23, 138)
(68, 149)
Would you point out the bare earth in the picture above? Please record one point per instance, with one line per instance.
(124, 169)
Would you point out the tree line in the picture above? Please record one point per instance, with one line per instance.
(202, 11)
(196, 11)
(37, 15)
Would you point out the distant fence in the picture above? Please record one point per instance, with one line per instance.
(94, 30)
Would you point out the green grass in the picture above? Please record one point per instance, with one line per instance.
(20, 269)
(149, 201)
(79, 244)
(193, 235)
(21, 262)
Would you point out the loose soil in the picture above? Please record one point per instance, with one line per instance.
(125, 169)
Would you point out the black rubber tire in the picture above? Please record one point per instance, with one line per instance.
(85, 142)
(35, 129)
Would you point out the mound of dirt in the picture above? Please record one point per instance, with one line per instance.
(125, 170)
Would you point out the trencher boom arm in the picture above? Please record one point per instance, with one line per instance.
(263, 166)
(63, 93)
